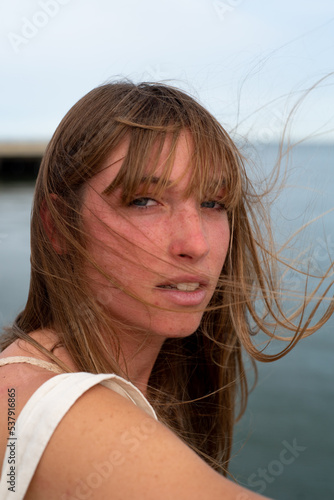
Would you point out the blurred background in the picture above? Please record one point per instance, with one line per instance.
(249, 63)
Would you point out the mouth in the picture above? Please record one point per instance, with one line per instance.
(184, 291)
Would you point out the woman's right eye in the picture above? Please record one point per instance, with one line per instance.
(143, 202)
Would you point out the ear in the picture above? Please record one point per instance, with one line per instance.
(49, 227)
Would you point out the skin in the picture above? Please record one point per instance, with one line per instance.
(150, 242)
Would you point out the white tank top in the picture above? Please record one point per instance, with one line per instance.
(47, 406)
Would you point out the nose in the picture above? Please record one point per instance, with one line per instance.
(187, 236)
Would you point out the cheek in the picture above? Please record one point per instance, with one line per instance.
(220, 242)
(121, 251)
(226, 238)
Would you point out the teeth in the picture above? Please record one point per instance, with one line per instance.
(183, 287)
(187, 287)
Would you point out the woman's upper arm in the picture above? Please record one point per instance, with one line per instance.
(107, 448)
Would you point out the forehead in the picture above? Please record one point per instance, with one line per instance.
(154, 166)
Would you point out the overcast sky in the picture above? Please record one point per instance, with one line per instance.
(236, 56)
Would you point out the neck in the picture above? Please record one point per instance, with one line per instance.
(138, 357)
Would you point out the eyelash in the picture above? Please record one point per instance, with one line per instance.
(219, 208)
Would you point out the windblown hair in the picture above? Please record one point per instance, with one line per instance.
(196, 381)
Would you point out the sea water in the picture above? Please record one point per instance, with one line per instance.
(284, 444)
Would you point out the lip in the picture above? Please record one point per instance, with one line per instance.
(182, 298)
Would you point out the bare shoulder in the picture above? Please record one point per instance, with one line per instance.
(106, 447)
(18, 381)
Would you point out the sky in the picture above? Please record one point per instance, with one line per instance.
(248, 61)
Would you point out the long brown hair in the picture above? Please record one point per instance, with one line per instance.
(196, 380)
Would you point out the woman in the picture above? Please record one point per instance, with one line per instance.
(148, 259)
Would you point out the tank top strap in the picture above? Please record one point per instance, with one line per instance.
(31, 361)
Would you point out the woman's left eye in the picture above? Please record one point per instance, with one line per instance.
(213, 204)
(143, 202)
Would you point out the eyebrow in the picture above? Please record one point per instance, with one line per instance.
(154, 180)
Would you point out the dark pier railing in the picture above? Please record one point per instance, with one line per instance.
(20, 161)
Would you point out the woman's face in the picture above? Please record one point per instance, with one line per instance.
(167, 251)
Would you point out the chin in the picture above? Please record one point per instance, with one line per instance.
(179, 327)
